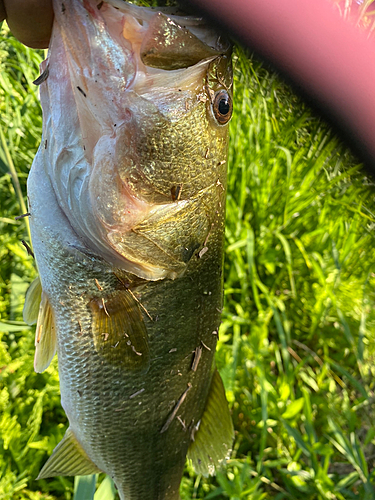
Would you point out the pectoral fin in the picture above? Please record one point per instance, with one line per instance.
(119, 332)
(38, 310)
(68, 459)
(214, 438)
(45, 336)
(32, 302)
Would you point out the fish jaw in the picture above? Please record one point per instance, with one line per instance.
(120, 136)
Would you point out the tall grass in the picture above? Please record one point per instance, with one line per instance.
(298, 328)
(296, 348)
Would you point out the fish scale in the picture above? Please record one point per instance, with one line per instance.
(128, 238)
(93, 401)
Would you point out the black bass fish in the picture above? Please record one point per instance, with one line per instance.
(127, 202)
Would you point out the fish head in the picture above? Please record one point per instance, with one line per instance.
(139, 102)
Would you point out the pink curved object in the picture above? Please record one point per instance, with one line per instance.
(327, 58)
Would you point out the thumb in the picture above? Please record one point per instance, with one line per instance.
(29, 20)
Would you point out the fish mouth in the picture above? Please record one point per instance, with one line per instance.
(165, 44)
(166, 17)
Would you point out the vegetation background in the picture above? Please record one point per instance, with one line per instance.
(296, 348)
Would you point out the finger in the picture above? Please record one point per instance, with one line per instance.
(2, 11)
(30, 21)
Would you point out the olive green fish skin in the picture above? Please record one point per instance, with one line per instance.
(121, 432)
(135, 421)
(120, 429)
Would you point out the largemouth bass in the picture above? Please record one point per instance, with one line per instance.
(127, 200)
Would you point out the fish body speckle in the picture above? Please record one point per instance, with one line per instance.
(127, 228)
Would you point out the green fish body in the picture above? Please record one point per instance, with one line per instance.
(127, 203)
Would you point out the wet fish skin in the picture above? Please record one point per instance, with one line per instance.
(132, 302)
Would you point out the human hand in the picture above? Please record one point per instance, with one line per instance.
(29, 20)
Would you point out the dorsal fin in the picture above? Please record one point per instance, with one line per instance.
(32, 302)
(45, 336)
(68, 459)
(214, 438)
(119, 331)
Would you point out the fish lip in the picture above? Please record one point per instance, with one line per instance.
(145, 13)
(182, 78)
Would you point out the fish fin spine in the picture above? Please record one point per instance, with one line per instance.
(214, 438)
(45, 336)
(68, 459)
(32, 302)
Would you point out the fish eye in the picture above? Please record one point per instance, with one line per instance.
(222, 107)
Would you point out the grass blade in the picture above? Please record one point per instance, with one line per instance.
(84, 487)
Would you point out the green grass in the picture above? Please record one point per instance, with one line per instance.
(296, 348)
